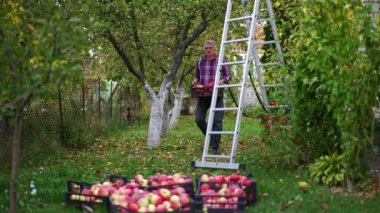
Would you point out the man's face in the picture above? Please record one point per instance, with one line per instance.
(210, 50)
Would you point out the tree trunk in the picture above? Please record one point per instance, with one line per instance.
(155, 122)
(15, 160)
(157, 112)
(176, 110)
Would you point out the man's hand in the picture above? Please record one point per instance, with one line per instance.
(221, 82)
(195, 82)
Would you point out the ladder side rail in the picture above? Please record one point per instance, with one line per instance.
(216, 82)
(252, 32)
(274, 30)
(260, 76)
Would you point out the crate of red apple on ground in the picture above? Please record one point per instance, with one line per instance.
(215, 197)
(128, 199)
(246, 182)
(81, 193)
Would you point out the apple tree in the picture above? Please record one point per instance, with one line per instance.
(40, 42)
(152, 39)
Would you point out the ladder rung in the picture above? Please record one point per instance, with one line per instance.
(219, 165)
(226, 108)
(229, 85)
(270, 64)
(218, 156)
(272, 85)
(263, 20)
(264, 42)
(240, 18)
(236, 40)
(232, 62)
(221, 132)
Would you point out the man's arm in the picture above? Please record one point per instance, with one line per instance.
(196, 80)
(226, 76)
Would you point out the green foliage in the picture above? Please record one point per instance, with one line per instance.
(276, 141)
(76, 135)
(328, 169)
(40, 43)
(336, 80)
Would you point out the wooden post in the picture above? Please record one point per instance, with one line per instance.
(111, 101)
(61, 135)
(83, 101)
(100, 110)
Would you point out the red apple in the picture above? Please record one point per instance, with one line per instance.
(164, 193)
(155, 199)
(143, 209)
(233, 200)
(164, 183)
(95, 188)
(161, 208)
(118, 183)
(143, 202)
(234, 177)
(155, 183)
(151, 208)
(204, 178)
(133, 207)
(174, 198)
(184, 199)
(167, 204)
(220, 178)
(103, 192)
(238, 192)
(205, 187)
(86, 192)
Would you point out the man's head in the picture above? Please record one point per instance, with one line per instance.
(210, 48)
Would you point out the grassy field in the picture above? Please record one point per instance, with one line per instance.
(123, 152)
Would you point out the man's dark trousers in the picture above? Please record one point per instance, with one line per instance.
(200, 117)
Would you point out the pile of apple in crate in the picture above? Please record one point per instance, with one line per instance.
(166, 193)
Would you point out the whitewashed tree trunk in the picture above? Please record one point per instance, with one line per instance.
(155, 123)
(156, 119)
(176, 110)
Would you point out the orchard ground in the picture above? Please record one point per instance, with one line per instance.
(122, 151)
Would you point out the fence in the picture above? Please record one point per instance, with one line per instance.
(73, 115)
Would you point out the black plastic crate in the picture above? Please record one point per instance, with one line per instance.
(250, 190)
(216, 202)
(75, 197)
(120, 209)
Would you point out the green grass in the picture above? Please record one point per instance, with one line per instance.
(123, 152)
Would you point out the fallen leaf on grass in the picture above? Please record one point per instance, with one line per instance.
(264, 195)
(324, 206)
(283, 207)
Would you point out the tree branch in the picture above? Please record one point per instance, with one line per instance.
(139, 75)
(137, 40)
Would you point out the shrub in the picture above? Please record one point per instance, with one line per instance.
(76, 135)
(328, 169)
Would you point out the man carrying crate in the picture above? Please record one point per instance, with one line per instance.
(203, 84)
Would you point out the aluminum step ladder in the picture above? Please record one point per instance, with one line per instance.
(260, 67)
(251, 55)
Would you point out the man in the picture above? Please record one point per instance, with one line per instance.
(205, 76)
